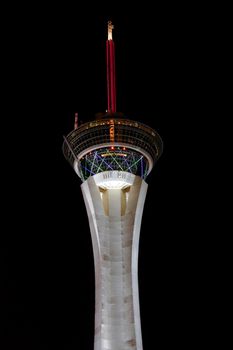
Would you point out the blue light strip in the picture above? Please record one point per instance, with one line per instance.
(141, 167)
(136, 162)
(127, 165)
(87, 169)
(93, 160)
(114, 159)
(103, 161)
(94, 163)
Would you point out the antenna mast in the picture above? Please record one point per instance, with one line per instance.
(111, 82)
(76, 121)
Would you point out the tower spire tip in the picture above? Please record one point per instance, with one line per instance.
(110, 28)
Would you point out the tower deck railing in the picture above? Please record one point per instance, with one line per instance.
(126, 132)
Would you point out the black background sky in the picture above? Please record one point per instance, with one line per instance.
(55, 66)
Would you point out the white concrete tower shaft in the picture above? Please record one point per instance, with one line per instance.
(115, 210)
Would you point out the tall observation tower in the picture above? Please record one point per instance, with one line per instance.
(113, 156)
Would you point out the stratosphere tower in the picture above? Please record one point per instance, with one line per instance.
(113, 156)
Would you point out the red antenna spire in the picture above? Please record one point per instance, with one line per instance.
(111, 82)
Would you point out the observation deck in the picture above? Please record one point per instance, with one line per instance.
(112, 143)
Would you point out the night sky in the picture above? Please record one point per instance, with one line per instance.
(56, 63)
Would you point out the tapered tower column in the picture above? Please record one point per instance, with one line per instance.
(113, 157)
(115, 219)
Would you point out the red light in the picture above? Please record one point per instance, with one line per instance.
(112, 147)
(124, 148)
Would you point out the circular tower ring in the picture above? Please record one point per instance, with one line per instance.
(116, 144)
(112, 132)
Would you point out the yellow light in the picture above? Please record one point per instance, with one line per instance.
(110, 28)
